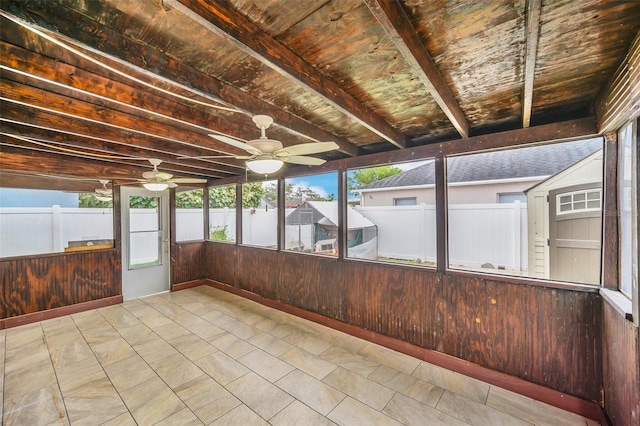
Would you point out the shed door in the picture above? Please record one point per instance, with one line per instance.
(575, 231)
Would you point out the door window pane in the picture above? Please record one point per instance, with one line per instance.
(628, 209)
(555, 234)
(145, 231)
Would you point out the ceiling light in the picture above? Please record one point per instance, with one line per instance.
(155, 186)
(103, 198)
(264, 167)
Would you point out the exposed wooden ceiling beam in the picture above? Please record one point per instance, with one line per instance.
(71, 24)
(396, 23)
(229, 23)
(531, 50)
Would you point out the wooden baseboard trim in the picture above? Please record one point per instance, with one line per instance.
(188, 284)
(58, 312)
(589, 409)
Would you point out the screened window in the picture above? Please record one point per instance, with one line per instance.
(391, 215)
(189, 214)
(311, 215)
(222, 213)
(554, 232)
(43, 221)
(628, 209)
(260, 214)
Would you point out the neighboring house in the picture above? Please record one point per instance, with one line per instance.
(491, 177)
(564, 223)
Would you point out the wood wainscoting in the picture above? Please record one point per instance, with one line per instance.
(187, 262)
(34, 284)
(547, 336)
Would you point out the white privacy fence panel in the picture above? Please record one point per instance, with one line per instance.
(478, 234)
(189, 224)
(224, 218)
(404, 232)
(260, 227)
(299, 237)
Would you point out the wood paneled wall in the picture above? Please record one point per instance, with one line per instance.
(33, 284)
(547, 336)
(187, 261)
(621, 368)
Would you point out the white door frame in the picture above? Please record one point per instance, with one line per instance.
(149, 279)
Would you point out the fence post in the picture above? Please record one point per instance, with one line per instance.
(517, 236)
(57, 228)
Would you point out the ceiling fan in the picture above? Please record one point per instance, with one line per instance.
(104, 193)
(268, 155)
(155, 180)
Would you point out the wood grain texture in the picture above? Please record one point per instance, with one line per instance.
(187, 262)
(33, 284)
(621, 369)
(221, 262)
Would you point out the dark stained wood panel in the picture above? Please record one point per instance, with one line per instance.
(33, 284)
(221, 262)
(257, 271)
(621, 368)
(187, 262)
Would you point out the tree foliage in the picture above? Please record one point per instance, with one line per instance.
(192, 199)
(296, 193)
(363, 177)
(90, 201)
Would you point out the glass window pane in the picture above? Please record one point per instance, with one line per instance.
(44, 221)
(311, 223)
(260, 214)
(145, 231)
(222, 213)
(189, 214)
(552, 235)
(379, 228)
(628, 209)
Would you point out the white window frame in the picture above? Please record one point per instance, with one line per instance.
(586, 200)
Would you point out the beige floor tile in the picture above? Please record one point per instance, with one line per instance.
(129, 372)
(270, 344)
(124, 419)
(171, 331)
(349, 360)
(266, 365)
(307, 342)
(43, 406)
(138, 334)
(205, 330)
(151, 401)
(155, 350)
(71, 353)
(113, 351)
(241, 415)
(410, 412)
(533, 411)
(424, 392)
(455, 382)
(192, 346)
(100, 334)
(232, 345)
(311, 391)
(258, 394)
(240, 329)
(88, 319)
(26, 355)
(391, 358)
(118, 317)
(94, 403)
(221, 367)
(297, 413)
(18, 382)
(475, 413)
(343, 340)
(22, 335)
(360, 388)
(207, 398)
(354, 413)
(309, 363)
(176, 370)
(183, 417)
(73, 377)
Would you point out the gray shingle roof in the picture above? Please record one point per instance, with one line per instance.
(544, 160)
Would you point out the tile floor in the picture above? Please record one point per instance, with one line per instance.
(204, 356)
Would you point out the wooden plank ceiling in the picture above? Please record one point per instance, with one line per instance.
(89, 89)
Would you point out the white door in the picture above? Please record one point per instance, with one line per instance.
(145, 242)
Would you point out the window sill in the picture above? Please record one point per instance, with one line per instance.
(619, 302)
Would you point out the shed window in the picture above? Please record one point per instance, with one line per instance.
(572, 202)
(407, 201)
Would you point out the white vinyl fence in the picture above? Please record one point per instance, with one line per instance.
(478, 234)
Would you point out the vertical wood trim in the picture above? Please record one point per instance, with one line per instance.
(636, 244)
(342, 214)
(531, 37)
(441, 214)
(238, 213)
(610, 211)
(117, 231)
(282, 204)
(205, 212)
(172, 217)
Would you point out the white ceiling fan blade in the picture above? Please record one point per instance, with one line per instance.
(187, 180)
(236, 143)
(307, 148)
(307, 161)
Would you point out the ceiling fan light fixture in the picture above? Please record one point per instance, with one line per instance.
(103, 198)
(264, 167)
(155, 186)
